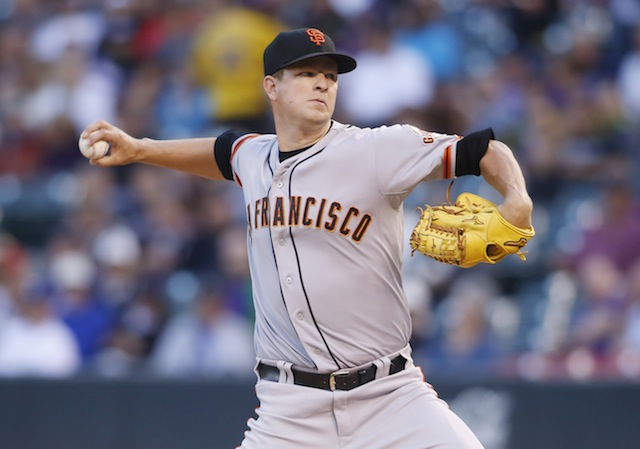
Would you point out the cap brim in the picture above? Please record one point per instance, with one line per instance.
(345, 63)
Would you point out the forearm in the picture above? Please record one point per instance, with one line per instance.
(501, 170)
(194, 156)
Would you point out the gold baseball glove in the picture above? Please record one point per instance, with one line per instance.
(468, 232)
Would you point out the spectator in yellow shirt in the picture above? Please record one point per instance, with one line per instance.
(228, 62)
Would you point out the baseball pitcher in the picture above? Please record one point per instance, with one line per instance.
(324, 217)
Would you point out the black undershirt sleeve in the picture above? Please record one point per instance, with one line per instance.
(470, 150)
(222, 151)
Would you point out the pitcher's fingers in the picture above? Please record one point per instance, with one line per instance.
(105, 161)
(95, 127)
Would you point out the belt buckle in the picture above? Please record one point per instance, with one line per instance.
(332, 378)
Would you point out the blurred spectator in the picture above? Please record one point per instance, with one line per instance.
(598, 314)
(500, 101)
(529, 20)
(160, 216)
(35, 342)
(631, 334)
(14, 267)
(573, 133)
(73, 274)
(14, 271)
(627, 355)
(118, 255)
(429, 30)
(69, 27)
(136, 109)
(351, 9)
(91, 199)
(216, 209)
(183, 108)
(227, 55)
(153, 54)
(208, 340)
(234, 268)
(133, 337)
(7, 306)
(466, 338)
(400, 78)
(617, 208)
(628, 80)
(75, 87)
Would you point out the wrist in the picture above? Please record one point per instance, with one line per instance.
(517, 208)
(142, 149)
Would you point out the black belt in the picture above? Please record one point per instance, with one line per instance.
(338, 380)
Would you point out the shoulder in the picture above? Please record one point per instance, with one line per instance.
(387, 133)
(232, 140)
(358, 132)
(253, 145)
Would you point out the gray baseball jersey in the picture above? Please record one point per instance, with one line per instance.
(325, 238)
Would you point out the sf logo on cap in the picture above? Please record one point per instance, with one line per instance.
(316, 36)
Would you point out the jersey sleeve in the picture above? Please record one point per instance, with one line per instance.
(405, 155)
(223, 150)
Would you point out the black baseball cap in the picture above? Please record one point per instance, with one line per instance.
(293, 46)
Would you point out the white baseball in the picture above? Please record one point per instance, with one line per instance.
(95, 151)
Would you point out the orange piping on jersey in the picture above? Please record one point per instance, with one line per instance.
(236, 146)
(446, 163)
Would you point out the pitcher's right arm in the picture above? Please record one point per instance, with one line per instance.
(194, 156)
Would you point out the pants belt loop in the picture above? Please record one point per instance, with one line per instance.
(286, 375)
(382, 366)
(406, 353)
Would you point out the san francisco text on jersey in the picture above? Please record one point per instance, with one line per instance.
(331, 216)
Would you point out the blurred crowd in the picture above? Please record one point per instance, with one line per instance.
(142, 271)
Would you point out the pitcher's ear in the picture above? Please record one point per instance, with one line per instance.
(270, 86)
